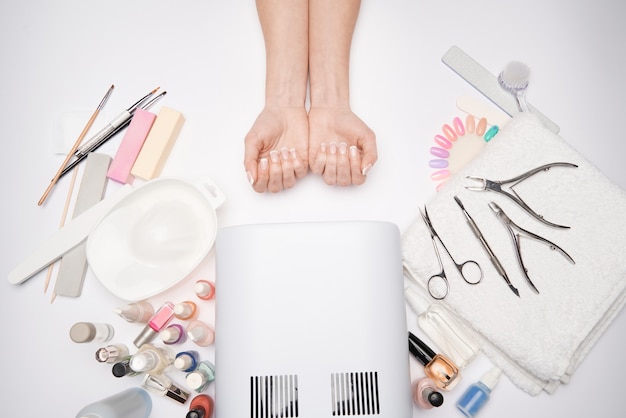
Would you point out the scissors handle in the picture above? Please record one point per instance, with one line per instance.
(438, 286)
(470, 272)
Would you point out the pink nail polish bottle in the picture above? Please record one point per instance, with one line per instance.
(426, 394)
(204, 289)
(200, 333)
(158, 321)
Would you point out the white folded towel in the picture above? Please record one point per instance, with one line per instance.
(538, 340)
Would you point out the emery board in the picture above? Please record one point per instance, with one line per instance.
(487, 84)
(69, 281)
(66, 238)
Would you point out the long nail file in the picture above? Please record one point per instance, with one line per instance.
(69, 281)
(487, 84)
(66, 238)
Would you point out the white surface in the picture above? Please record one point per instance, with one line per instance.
(61, 56)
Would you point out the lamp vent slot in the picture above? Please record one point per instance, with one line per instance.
(274, 396)
(354, 393)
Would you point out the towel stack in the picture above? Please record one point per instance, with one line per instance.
(538, 340)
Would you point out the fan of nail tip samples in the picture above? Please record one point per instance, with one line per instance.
(457, 144)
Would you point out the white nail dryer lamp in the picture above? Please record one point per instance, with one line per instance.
(311, 321)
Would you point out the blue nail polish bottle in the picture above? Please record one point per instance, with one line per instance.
(477, 395)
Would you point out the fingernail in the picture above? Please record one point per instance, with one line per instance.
(366, 169)
(274, 156)
(263, 164)
(343, 148)
(284, 153)
(333, 147)
(323, 147)
(293, 153)
(250, 178)
(353, 151)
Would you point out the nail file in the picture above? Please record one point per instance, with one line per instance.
(487, 84)
(158, 144)
(66, 238)
(69, 281)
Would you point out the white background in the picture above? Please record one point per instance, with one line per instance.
(61, 56)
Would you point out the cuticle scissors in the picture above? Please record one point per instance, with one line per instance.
(511, 227)
(468, 270)
(496, 186)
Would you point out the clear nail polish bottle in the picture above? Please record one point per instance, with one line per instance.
(200, 378)
(438, 367)
(140, 312)
(163, 386)
(200, 333)
(477, 395)
(426, 394)
(151, 359)
(450, 337)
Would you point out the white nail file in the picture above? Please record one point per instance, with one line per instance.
(73, 265)
(66, 238)
(487, 84)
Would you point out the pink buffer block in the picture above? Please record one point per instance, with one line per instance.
(130, 146)
(158, 145)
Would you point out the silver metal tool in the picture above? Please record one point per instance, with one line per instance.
(469, 270)
(492, 256)
(512, 227)
(496, 186)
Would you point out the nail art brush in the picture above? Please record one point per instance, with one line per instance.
(80, 138)
(102, 140)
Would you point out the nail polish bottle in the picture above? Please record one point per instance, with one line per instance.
(162, 385)
(129, 403)
(204, 289)
(151, 359)
(185, 311)
(200, 333)
(201, 407)
(140, 312)
(426, 394)
(84, 332)
(157, 322)
(122, 368)
(173, 334)
(438, 367)
(186, 361)
(443, 329)
(111, 353)
(200, 378)
(477, 395)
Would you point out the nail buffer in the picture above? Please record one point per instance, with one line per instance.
(487, 84)
(66, 238)
(73, 267)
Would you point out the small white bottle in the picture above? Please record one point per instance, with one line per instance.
(84, 332)
(200, 378)
(452, 338)
(200, 333)
(130, 403)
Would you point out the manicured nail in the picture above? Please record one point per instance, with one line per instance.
(323, 147)
(366, 169)
(250, 178)
(332, 148)
(343, 148)
(284, 153)
(274, 156)
(263, 164)
(353, 151)
(293, 153)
